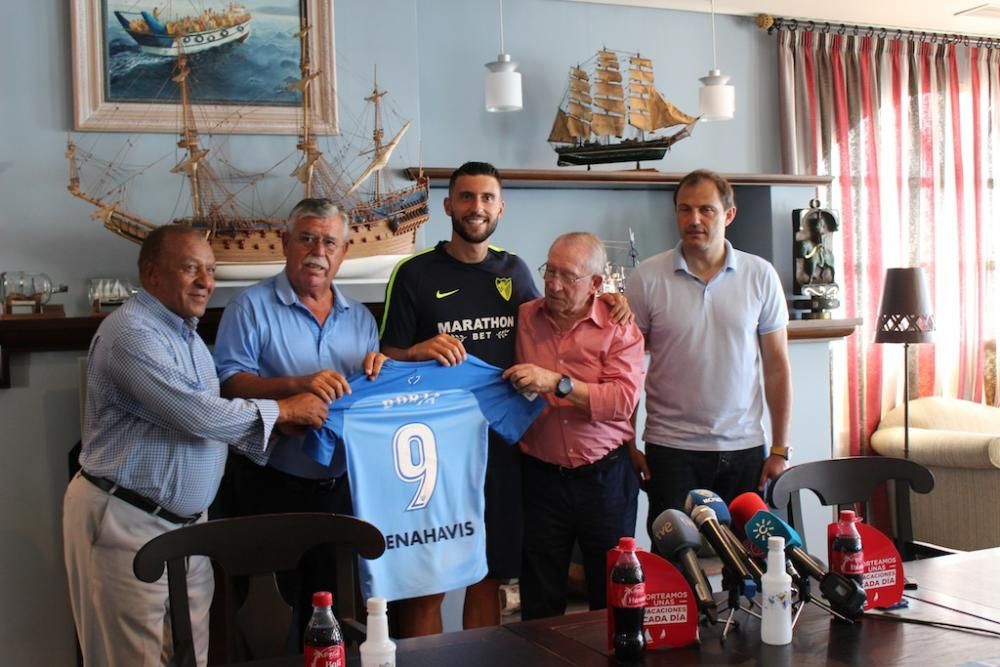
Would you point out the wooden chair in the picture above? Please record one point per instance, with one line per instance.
(253, 546)
(848, 481)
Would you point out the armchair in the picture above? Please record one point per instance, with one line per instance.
(959, 441)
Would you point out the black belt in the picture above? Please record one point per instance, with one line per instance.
(579, 471)
(136, 500)
(297, 484)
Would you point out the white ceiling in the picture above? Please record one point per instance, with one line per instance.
(924, 15)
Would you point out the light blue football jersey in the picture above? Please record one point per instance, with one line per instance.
(416, 443)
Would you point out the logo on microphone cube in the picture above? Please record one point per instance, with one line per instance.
(705, 495)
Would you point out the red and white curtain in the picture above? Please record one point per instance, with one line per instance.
(910, 132)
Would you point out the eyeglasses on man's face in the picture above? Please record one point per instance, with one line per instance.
(328, 243)
(561, 277)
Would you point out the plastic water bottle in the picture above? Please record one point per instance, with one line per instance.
(378, 650)
(323, 641)
(776, 596)
(627, 598)
(846, 554)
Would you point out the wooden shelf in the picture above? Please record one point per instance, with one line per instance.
(822, 329)
(612, 180)
(53, 334)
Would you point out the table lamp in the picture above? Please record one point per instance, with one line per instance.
(905, 317)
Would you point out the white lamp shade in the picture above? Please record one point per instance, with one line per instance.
(503, 85)
(716, 98)
(503, 91)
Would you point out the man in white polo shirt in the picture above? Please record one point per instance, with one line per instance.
(713, 317)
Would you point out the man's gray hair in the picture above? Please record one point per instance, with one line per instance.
(322, 208)
(598, 255)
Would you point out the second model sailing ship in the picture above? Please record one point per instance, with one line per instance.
(383, 221)
(605, 117)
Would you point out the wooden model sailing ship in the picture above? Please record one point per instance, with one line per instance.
(602, 119)
(383, 221)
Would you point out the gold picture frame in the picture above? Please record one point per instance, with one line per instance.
(93, 112)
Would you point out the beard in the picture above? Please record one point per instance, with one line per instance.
(475, 235)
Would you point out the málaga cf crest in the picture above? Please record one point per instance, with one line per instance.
(505, 287)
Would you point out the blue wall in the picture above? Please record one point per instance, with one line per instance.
(456, 39)
(430, 55)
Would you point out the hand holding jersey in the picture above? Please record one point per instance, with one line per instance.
(421, 489)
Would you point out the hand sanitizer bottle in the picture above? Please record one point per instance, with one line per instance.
(378, 650)
(776, 596)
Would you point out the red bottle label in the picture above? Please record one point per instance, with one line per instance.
(326, 656)
(849, 563)
(628, 596)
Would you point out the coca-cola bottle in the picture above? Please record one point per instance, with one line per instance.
(324, 644)
(846, 554)
(628, 602)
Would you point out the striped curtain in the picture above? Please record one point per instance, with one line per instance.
(910, 133)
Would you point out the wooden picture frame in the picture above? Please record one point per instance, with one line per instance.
(93, 112)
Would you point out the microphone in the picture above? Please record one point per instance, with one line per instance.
(709, 499)
(743, 507)
(707, 522)
(846, 596)
(677, 538)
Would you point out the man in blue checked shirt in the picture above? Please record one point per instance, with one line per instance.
(295, 332)
(154, 446)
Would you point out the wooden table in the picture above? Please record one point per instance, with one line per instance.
(485, 647)
(962, 589)
(948, 586)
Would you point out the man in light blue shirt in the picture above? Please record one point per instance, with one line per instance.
(295, 332)
(715, 322)
(154, 445)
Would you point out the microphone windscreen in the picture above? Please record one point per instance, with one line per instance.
(764, 524)
(673, 531)
(743, 507)
(710, 499)
(697, 497)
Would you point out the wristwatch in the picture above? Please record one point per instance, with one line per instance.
(564, 387)
(783, 452)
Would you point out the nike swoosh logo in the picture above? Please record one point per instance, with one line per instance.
(439, 294)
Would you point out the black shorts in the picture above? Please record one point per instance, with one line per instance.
(504, 510)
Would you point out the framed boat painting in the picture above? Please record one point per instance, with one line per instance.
(241, 57)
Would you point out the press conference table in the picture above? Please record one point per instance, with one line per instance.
(963, 589)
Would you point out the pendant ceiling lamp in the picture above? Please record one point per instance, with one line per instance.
(503, 83)
(716, 97)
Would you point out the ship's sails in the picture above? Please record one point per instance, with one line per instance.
(380, 161)
(598, 105)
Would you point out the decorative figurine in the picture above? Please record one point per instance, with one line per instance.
(812, 239)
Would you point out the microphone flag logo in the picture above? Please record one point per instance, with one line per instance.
(762, 528)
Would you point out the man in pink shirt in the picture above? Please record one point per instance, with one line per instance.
(578, 479)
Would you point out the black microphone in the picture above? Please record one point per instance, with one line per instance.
(712, 501)
(677, 538)
(845, 595)
(707, 522)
